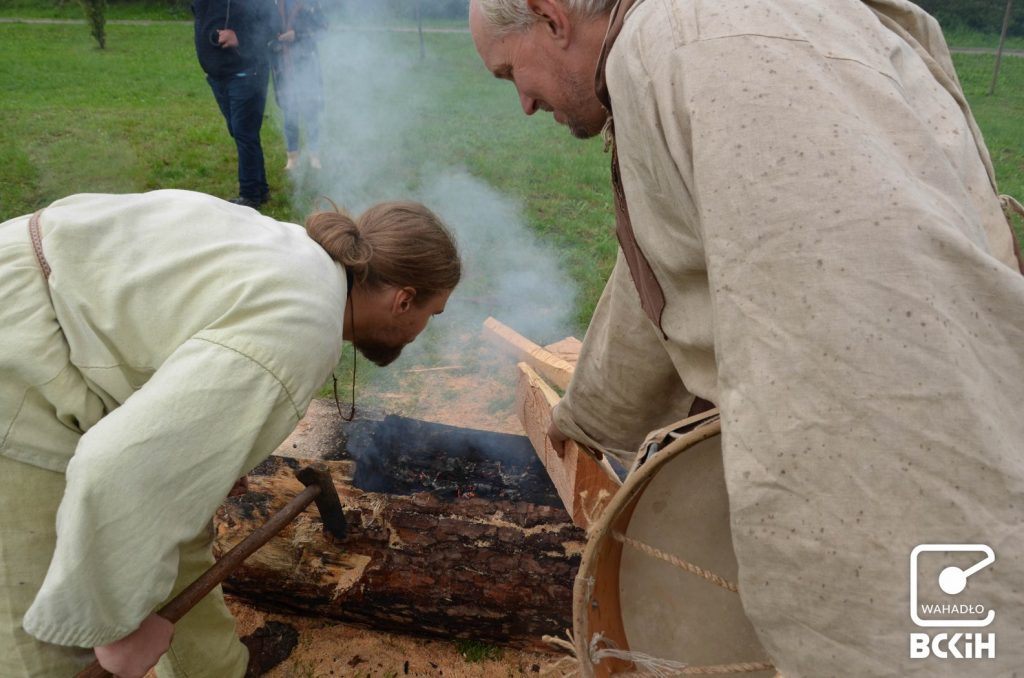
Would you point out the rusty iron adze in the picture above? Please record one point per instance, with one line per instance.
(319, 489)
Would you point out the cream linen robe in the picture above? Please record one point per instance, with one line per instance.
(840, 281)
(180, 340)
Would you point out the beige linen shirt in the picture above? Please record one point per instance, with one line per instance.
(179, 340)
(839, 278)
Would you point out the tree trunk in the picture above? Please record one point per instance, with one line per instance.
(452, 532)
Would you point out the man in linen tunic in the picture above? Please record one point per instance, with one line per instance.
(176, 343)
(815, 201)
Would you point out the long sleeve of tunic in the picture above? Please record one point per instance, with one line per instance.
(204, 329)
(639, 389)
(810, 194)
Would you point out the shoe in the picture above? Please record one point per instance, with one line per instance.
(249, 202)
(293, 161)
(246, 202)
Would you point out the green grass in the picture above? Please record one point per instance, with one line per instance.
(133, 117)
(961, 37)
(473, 651)
(70, 9)
(1000, 116)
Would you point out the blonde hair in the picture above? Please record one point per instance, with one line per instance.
(397, 243)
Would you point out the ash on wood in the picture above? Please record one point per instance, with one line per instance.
(452, 532)
(403, 456)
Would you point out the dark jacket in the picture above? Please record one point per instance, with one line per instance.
(256, 23)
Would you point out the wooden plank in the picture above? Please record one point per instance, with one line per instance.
(567, 349)
(556, 369)
(584, 484)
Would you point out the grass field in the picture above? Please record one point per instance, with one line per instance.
(140, 116)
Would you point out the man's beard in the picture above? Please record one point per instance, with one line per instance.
(378, 352)
(581, 130)
(582, 93)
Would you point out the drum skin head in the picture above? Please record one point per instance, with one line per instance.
(676, 503)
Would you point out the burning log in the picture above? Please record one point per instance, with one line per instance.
(452, 532)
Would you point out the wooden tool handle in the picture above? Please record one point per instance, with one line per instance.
(207, 581)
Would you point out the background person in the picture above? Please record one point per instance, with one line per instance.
(298, 85)
(232, 40)
(175, 342)
(815, 244)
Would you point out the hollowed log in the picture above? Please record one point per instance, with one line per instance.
(452, 532)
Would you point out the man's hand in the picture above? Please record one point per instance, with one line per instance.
(139, 651)
(287, 36)
(557, 439)
(226, 38)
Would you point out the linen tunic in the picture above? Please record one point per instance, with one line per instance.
(813, 197)
(178, 342)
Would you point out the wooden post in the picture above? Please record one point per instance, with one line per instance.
(556, 369)
(584, 484)
(999, 51)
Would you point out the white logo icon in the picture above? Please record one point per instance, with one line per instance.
(952, 581)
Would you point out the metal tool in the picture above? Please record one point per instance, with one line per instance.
(319, 489)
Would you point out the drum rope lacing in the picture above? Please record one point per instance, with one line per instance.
(649, 665)
(676, 561)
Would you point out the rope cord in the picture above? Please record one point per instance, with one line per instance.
(677, 562)
(648, 665)
(334, 377)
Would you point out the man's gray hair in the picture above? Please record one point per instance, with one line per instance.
(514, 16)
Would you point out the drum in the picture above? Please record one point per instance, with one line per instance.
(656, 591)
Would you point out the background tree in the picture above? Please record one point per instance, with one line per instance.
(985, 16)
(96, 15)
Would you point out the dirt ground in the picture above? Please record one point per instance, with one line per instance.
(483, 400)
(329, 648)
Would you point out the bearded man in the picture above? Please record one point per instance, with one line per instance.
(811, 240)
(156, 347)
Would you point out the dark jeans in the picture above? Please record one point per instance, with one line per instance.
(242, 99)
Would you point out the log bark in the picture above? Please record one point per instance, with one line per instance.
(447, 554)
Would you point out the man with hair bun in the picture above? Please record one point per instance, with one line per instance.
(811, 239)
(155, 348)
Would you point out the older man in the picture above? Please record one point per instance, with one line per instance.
(812, 240)
(155, 347)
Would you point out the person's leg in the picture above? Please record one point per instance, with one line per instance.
(314, 108)
(248, 98)
(220, 94)
(290, 112)
(291, 135)
(312, 123)
(205, 643)
(29, 497)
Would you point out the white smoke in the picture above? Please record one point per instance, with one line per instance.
(372, 88)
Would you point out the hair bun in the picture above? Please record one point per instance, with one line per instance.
(338, 233)
(397, 243)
